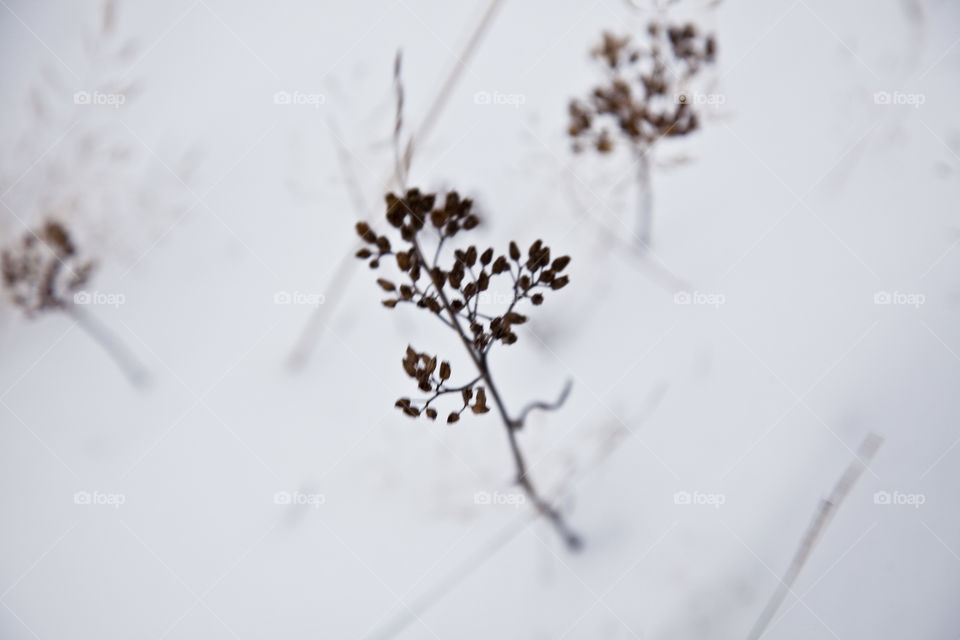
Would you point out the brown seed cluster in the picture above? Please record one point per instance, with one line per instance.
(453, 294)
(423, 368)
(643, 96)
(44, 271)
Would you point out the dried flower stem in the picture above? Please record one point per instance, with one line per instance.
(644, 199)
(114, 347)
(417, 608)
(480, 360)
(642, 99)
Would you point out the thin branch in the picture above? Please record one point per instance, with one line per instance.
(433, 113)
(544, 406)
(815, 530)
(315, 325)
(114, 347)
(455, 578)
(401, 166)
(571, 539)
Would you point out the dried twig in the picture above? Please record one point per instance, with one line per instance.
(546, 406)
(446, 90)
(814, 531)
(415, 610)
(111, 344)
(453, 296)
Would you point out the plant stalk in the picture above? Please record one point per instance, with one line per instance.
(571, 539)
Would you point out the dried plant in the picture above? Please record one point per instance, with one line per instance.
(643, 99)
(453, 295)
(45, 272)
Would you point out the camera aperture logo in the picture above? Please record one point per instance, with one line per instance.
(899, 498)
(298, 298)
(703, 298)
(496, 98)
(299, 498)
(499, 498)
(899, 298)
(99, 498)
(99, 298)
(702, 498)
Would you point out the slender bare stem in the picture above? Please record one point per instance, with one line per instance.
(114, 347)
(546, 406)
(644, 199)
(571, 539)
(820, 521)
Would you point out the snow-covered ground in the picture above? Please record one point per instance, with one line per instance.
(801, 198)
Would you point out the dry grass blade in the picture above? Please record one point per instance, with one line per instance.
(815, 530)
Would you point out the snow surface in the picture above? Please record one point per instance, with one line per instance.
(799, 200)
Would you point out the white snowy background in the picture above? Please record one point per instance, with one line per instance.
(798, 201)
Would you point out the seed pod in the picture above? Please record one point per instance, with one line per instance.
(480, 405)
(560, 263)
(364, 231)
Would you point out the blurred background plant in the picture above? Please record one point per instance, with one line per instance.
(648, 94)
